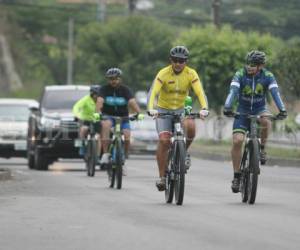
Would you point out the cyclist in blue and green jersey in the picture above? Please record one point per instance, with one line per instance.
(249, 87)
(85, 111)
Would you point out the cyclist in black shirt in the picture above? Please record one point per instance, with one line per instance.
(114, 99)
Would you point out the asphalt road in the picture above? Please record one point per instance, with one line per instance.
(64, 209)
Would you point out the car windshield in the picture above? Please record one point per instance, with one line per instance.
(13, 112)
(62, 99)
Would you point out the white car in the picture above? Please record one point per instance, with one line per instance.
(144, 137)
(14, 115)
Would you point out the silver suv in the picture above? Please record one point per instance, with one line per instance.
(52, 128)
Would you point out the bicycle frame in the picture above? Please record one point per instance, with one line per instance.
(251, 160)
(116, 149)
(175, 173)
(91, 150)
(117, 134)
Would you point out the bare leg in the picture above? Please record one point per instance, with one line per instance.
(162, 152)
(83, 132)
(236, 151)
(105, 131)
(126, 133)
(265, 129)
(190, 131)
(98, 144)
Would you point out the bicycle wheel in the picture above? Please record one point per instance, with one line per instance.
(253, 171)
(91, 157)
(245, 174)
(111, 175)
(179, 155)
(119, 163)
(169, 192)
(111, 170)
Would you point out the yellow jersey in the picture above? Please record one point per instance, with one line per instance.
(172, 88)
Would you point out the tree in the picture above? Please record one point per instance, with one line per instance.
(137, 45)
(287, 65)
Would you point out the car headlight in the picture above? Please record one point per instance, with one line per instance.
(50, 123)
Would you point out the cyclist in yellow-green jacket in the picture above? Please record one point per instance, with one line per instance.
(85, 111)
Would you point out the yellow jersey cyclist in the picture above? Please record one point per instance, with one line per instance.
(172, 85)
(85, 111)
(249, 87)
(115, 99)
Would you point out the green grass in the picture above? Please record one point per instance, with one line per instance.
(224, 147)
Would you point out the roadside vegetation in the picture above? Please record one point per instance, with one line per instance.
(139, 42)
(224, 147)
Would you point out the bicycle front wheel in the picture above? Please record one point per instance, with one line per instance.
(245, 174)
(119, 163)
(179, 166)
(253, 171)
(169, 192)
(111, 168)
(91, 157)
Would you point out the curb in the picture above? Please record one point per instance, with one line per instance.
(5, 174)
(222, 157)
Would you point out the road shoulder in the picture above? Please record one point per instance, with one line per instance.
(5, 174)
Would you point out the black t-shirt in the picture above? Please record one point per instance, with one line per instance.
(115, 99)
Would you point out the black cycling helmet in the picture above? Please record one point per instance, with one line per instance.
(95, 89)
(180, 52)
(113, 72)
(256, 57)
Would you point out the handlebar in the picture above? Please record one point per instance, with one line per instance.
(130, 117)
(249, 116)
(181, 115)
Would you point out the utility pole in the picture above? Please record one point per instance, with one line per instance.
(216, 12)
(101, 10)
(70, 51)
(131, 6)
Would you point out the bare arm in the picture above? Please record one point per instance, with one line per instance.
(99, 104)
(133, 105)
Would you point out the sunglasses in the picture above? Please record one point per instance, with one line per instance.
(178, 60)
(113, 78)
(249, 66)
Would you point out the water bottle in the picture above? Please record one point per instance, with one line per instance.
(188, 105)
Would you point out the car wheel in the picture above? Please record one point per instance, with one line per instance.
(30, 146)
(40, 161)
(30, 160)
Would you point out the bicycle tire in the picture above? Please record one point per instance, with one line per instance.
(253, 171)
(111, 175)
(91, 157)
(111, 170)
(244, 174)
(169, 192)
(179, 153)
(119, 163)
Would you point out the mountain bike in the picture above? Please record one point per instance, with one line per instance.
(176, 170)
(250, 163)
(91, 152)
(117, 152)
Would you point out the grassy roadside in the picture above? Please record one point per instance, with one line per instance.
(224, 147)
